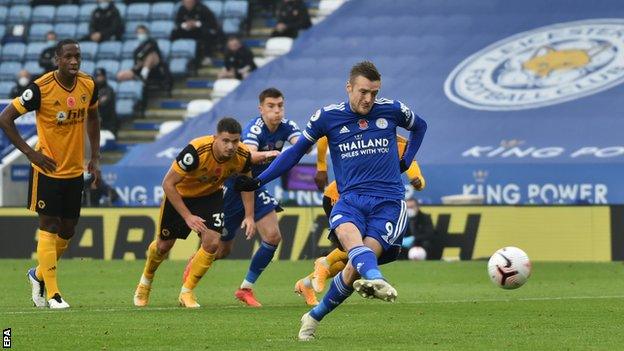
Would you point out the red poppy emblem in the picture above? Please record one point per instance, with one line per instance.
(363, 124)
(71, 102)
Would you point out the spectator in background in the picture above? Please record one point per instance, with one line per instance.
(239, 60)
(420, 232)
(106, 23)
(46, 59)
(149, 65)
(195, 21)
(106, 102)
(22, 79)
(292, 16)
(98, 195)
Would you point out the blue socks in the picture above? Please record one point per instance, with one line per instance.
(337, 293)
(260, 261)
(365, 262)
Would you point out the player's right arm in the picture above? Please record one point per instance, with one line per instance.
(28, 101)
(320, 178)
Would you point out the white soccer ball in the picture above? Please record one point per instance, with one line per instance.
(417, 253)
(509, 268)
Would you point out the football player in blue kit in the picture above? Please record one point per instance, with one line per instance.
(370, 217)
(265, 136)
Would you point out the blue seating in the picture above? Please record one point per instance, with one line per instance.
(13, 52)
(122, 8)
(132, 89)
(113, 84)
(5, 89)
(215, 6)
(65, 30)
(87, 66)
(179, 66)
(88, 50)
(165, 47)
(235, 8)
(231, 25)
(162, 11)
(20, 2)
(19, 14)
(67, 13)
(126, 64)
(8, 70)
(161, 29)
(127, 50)
(183, 48)
(38, 31)
(109, 50)
(82, 30)
(42, 14)
(111, 67)
(4, 12)
(124, 108)
(138, 12)
(33, 50)
(33, 67)
(85, 12)
(2, 30)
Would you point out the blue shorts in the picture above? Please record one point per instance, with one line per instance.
(384, 220)
(234, 212)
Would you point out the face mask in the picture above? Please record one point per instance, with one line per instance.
(23, 81)
(411, 212)
(103, 5)
(51, 42)
(142, 37)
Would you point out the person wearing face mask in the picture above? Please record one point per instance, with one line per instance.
(149, 65)
(106, 23)
(46, 59)
(106, 102)
(23, 78)
(194, 20)
(239, 60)
(420, 231)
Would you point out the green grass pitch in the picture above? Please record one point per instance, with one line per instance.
(441, 306)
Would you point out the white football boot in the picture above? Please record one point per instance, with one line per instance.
(57, 302)
(308, 327)
(37, 289)
(375, 288)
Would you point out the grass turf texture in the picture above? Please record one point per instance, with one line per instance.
(441, 306)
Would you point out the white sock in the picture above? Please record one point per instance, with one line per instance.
(307, 282)
(185, 290)
(246, 285)
(145, 281)
(144, 72)
(324, 262)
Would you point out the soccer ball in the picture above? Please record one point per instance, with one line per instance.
(509, 268)
(417, 253)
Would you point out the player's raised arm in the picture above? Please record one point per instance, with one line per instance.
(93, 132)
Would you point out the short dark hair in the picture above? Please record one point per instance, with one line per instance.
(230, 125)
(365, 69)
(141, 26)
(270, 93)
(59, 46)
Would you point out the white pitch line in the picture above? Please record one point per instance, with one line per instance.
(147, 309)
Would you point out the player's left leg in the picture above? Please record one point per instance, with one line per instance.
(268, 229)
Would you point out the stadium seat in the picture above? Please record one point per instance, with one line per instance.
(278, 46)
(109, 50)
(114, 85)
(124, 108)
(67, 13)
(5, 89)
(111, 67)
(165, 47)
(126, 64)
(196, 107)
(2, 30)
(261, 61)
(132, 89)
(216, 7)
(20, 2)
(231, 25)
(42, 14)
(138, 12)
(84, 15)
(235, 8)
(13, 52)
(106, 139)
(179, 66)
(122, 8)
(326, 7)
(88, 50)
(127, 50)
(65, 30)
(162, 11)
(8, 70)
(161, 29)
(4, 12)
(222, 87)
(183, 48)
(33, 67)
(19, 14)
(87, 66)
(33, 50)
(167, 127)
(38, 31)
(82, 30)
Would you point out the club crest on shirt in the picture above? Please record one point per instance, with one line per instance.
(381, 123)
(83, 98)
